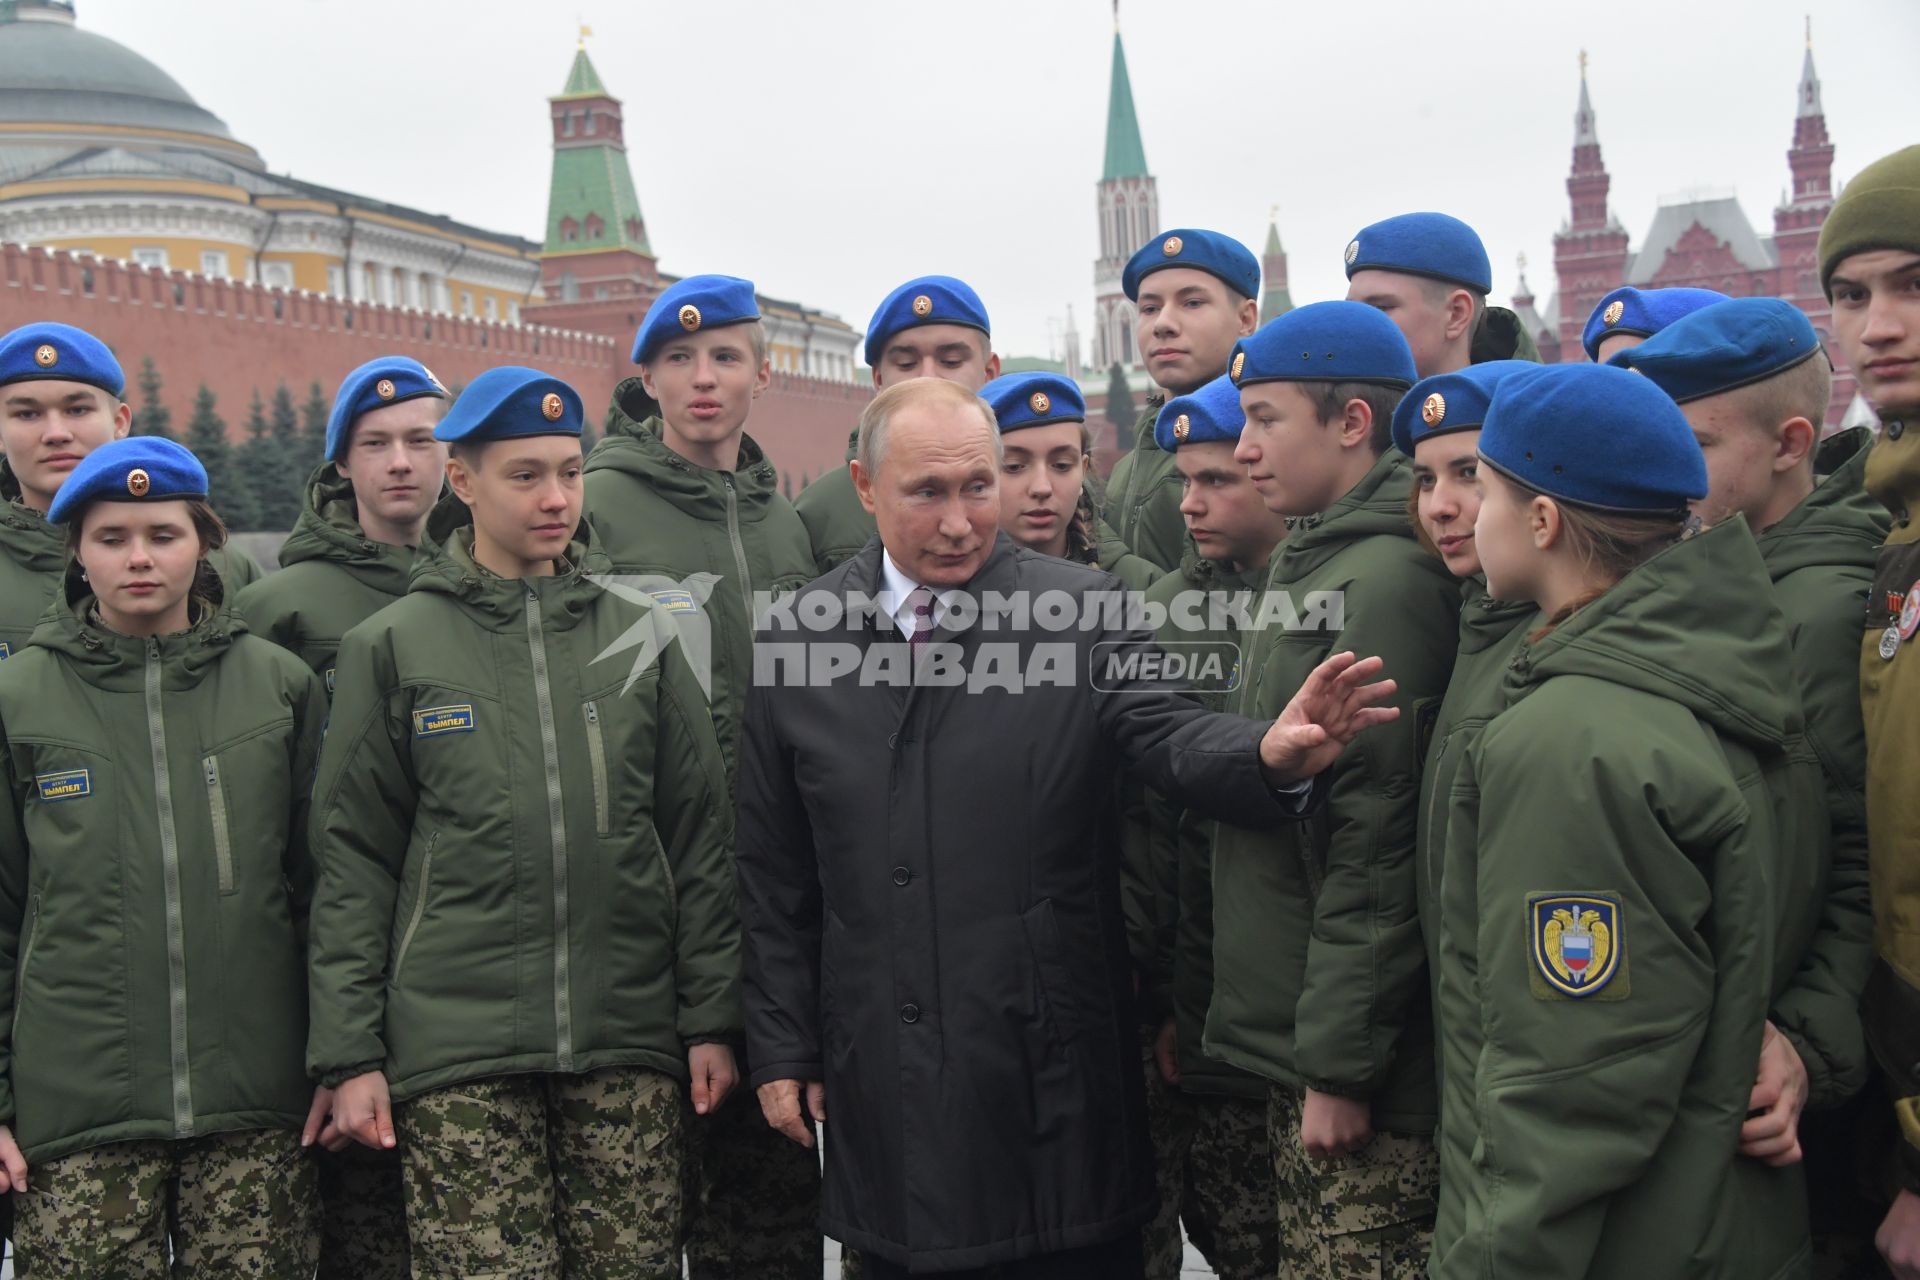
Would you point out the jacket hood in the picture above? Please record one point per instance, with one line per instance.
(1693, 624)
(1374, 507)
(445, 566)
(1485, 621)
(25, 536)
(106, 657)
(1838, 523)
(634, 446)
(1503, 337)
(328, 529)
(1211, 575)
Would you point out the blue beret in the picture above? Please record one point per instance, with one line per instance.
(927, 300)
(1724, 347)
(698, 302)
(374, 385)
(136, 469)
(46, 352)
(1449, 402)
(1641, 312)
(1595, 436)
(1220, 256)
(512, 401)
(1325, 342)
(1201, 417)
(1034, 400)
(1423, 244)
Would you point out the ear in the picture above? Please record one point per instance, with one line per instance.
(646, 383)
(993, 365)
(1543, 522)
(460, 480)
(1356, 425)
(1794, 444)
(340, 469)
(862, 484)
(122, 421)
(761, 380)
(1459, 313)
(1249, 316)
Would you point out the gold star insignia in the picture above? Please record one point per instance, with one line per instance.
(923, 305)
(384, 388)
(1615, 309)
(1038, 402)
(46, 356)
(690, 317)
(1239, 363)
(1434, 409)
(1181, 429)
(138, 482)
(552, 406)
(1171, 247)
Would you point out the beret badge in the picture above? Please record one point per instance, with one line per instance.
(1353, 251)
(689, 320)
(552, 406)
(1615, 309)
(1239, 363)
(1171, 246)
(1038, 402)
(384, 388)
(138, 483)
(1182, 428)
(46, 356)
(1434, 409)
(923, 305)
(437, 384)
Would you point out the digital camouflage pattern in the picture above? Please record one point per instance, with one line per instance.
(1367, 1215)
(754, 1198)
(363, 1218)
(241, 1204)
(535, 1177)
(1215, 1169)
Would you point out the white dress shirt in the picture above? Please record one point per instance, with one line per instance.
(896, 591)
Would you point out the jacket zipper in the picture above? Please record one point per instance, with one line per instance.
(739, 551)
(419, 906)
(1434, 843)
(26, 958)
(597, 753)
(170, 881)
(217, 807)
(557, 836)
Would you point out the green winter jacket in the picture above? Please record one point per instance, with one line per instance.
(1135, 573)
(707, 541)
(522, 844)
(1501, 336)
(1167, 863)
(1820, 558)
(1319, 975)
(837, 525)
(1491, 631)
(154, 882)
(332, 577)
(1143, 497)
(33, 556)
(1649, 774)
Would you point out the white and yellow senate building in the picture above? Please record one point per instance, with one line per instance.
(102, 152)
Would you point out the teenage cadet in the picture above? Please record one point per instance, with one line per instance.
(1430, 274)
(1870, 268)
(1618, 840)
(1318, 980)
(366, 509)
(1628, 316)
(1208, 1121)
(348, 557)
(930, 327)
(1438, 426)
(154, 885)
(1753, 382)
(524, 929)
(684, 500)
(1194, 295)
(1046, 475)
(60, 399)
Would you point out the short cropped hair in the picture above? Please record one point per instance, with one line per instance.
(914, 393)
(1330, 402)
(1800, 392)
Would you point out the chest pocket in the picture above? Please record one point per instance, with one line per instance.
(458, 741)
(247, 784)
(68, 798)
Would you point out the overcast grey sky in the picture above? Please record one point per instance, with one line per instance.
(829, 149)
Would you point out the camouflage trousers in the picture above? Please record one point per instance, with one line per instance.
(232, 1204)
(363, 1216)
(1215, 1172)
(1368, 1213)
(754, 1198)
(540, 1177)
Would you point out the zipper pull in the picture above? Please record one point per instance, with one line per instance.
(213, 773)
(593, 714)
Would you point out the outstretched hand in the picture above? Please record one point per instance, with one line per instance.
(1336, 703)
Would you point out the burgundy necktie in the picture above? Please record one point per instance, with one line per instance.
(922, 601)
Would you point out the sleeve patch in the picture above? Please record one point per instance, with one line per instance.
(1577, 946)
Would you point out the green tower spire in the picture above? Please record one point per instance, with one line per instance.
(591, 206)
(1126, 154)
